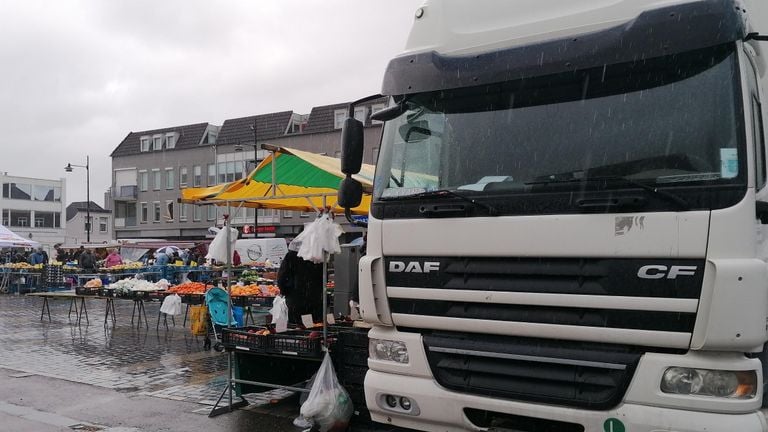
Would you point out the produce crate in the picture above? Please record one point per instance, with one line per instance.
(294, 343)
(81, 290)
(245, 301)
(106, 292)
(192, 299)
(242, 338)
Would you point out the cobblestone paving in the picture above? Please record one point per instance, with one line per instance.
(167, 363)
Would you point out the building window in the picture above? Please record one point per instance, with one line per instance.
(143, 181)
(338, 118)
(376, 108)
(170, 140)
(17, 218)
(45, 219)
(156, 212)
(18, 191)
(183, 177)
(157, 142)
(360, 113)
(86, 223)
(222, 172)
(169, 178)
(211, 213)
(197, 213)
(198, 176)
(103, 222)
(157, 179)
(211, 174)
(46, 193)
(144, 212)
(287, 213)
(182, 212)
(169, 211)
(144, 143)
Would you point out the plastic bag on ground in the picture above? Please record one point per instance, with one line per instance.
(171, 305)
(279, 314)
(328, 404)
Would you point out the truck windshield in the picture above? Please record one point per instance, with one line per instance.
(666, 122)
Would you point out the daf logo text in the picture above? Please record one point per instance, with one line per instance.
(413, 267)
(662, 271)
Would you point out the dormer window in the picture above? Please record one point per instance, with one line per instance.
(144, 143)
(170, 140)
(338, 118)
(360, 113)
(157, 142)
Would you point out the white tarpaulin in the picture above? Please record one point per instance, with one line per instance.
(10, 239)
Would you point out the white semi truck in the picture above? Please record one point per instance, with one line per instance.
(567, 225)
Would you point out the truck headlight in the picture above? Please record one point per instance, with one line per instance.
(705, 382)
(387, 350)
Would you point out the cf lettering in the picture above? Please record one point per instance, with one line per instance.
(652, 272)
(662, 271)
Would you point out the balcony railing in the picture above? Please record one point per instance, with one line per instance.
(125, 193)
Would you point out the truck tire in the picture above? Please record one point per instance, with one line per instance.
(763, 356)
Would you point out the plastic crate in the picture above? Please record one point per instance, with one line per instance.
(241, 338)
(106, 292)
(245, 301)
(295, 343)
(81, 290)
(192, 299)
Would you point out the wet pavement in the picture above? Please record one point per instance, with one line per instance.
(49, 365)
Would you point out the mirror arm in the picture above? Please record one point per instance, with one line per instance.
(351, 109)
(350, 219)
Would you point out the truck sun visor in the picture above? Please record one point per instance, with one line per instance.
(660, 32)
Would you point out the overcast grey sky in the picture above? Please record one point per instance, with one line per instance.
(78, 76)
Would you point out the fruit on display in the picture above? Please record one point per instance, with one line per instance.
(23, 266)
(189, 288)
(126, 266)
(255, 290)
(93, 283)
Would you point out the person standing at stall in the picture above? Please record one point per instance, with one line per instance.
(87, 260)
(113, 259)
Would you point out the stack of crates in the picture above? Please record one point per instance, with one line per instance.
(53, 278)
(350, 358)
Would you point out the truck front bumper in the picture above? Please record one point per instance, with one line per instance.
(438, 409)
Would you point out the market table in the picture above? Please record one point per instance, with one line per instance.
(64, 295)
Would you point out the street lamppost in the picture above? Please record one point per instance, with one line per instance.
(255, 145)
(68, 169)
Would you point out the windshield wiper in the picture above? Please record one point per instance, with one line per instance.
(669, 196)
(445, 192)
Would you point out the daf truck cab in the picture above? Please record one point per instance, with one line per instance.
(567, 228)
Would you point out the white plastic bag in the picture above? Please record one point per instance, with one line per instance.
(217, 250)
(171, 305)
(279, 313)
(328, 404)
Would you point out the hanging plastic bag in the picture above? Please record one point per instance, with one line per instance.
(171, 305)
(198, 318)
(217, 250)
(279, 313)
(328, 404)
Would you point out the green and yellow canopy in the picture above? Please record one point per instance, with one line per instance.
(302, 181)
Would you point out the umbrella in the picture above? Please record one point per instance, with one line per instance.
(169, 250)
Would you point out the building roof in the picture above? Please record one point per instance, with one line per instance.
(321, 117)
(268, 126)
(189, 136)
(80, 206)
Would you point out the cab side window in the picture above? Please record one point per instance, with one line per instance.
(758, 133)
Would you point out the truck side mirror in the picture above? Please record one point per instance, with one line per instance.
(350, 193)
(351, 146)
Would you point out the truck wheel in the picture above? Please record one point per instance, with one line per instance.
(763, 356)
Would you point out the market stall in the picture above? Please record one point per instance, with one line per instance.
(15, 276)
(288, 180)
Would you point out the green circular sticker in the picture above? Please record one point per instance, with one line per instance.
(613, 425)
